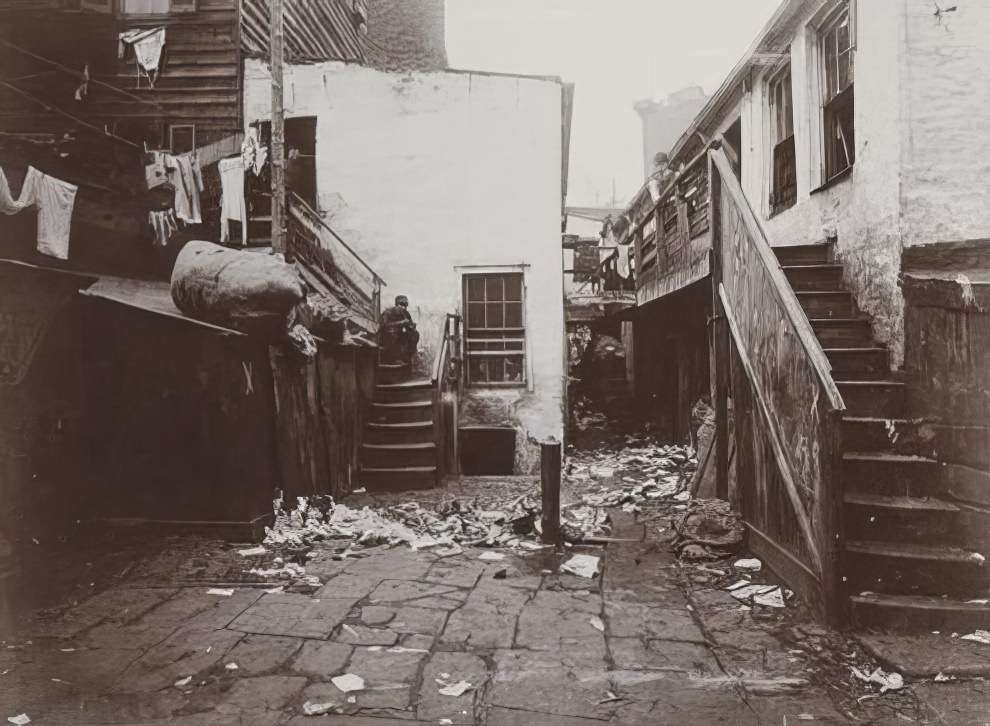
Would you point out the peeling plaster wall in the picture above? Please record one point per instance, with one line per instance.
(864, 208)
(423, 172)
(946, 162)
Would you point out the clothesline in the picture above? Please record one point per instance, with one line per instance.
(80, 75)
(54, 109)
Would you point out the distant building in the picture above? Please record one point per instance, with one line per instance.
(665, 120)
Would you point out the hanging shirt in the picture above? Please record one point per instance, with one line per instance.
(164, 225)
(147, 45)
(622, 265)
(233, 205)
(185, 176)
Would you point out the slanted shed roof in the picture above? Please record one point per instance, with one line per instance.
(315, 30)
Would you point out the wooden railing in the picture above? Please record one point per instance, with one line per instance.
(333, 264)
(786, 407)
(671, 235)
(448, 382)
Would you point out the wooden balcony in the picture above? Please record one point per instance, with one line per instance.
(672, 235)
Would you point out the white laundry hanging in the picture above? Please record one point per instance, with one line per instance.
(147, 45)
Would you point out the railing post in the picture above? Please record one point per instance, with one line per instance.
(720, 339)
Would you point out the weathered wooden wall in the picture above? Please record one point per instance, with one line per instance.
(947, 349)
(321, 406)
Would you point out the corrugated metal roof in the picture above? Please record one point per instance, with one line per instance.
(315, 30)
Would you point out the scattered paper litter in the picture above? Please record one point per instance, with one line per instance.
(275, 590)
(750, 564)
(772, 599)
(886, 681)
(20, 719)
(231, 666)
(980, 636)
(317, 709)
(597, 624)
(183, 682)
(445, 721)
(348, 682)
(223, 592)
(491, 556)
(581, 565)
(805, 717)
(251, 552)
(941, 678)
(456, 689)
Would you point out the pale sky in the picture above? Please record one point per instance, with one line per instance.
(615, 52)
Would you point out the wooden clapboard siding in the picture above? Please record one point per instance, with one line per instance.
(316, 30)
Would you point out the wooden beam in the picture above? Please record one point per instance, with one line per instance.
(279, 233)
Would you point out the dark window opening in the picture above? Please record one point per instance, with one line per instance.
(837, 54)
(495, 327)
(182, 138)
(487, 450)
(783, 189)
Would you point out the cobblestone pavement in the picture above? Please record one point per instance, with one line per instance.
(640, 644)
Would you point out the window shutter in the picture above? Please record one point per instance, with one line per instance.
(97, 6)
(183, 6)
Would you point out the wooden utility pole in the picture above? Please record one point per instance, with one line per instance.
(278, 128)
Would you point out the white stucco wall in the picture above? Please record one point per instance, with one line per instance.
(864, 208)
(427, 172)
(946, 163)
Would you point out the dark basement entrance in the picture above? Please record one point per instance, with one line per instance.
(487, 450)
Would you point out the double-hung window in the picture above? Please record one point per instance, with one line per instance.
(495, 329)
(156, 7)
(783, 186)
(836, 48)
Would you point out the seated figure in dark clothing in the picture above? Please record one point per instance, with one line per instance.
(397, 334)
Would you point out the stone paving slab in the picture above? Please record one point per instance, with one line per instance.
(186, 653)
(444, 668)
(122, 605)
(321, 659)
(635, 620)
(259, 654)
(663, 655)
(301, 616)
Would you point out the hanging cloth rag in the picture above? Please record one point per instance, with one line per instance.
(622, 266)
(147, 45)
(185, 176)
(164, 225)
(233, 205)
(253, 152)
(55, 200)
(9, 205)
(83, 89)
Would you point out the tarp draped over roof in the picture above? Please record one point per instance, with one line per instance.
(315, 30)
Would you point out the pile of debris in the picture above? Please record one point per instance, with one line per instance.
(632, 476)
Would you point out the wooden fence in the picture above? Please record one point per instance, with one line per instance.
(786, 408)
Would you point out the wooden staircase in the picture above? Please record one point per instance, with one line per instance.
(399, 449)
(913, 558)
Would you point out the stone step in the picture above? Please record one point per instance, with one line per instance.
(401, 412)
(913, 520)
(804, 254)
(397, 456)
(405, 391)
(857, 364)
(843, 332)
(392, 373)
(399, 479)
(831, 304)
(873, 398)
(912, 613)
(414, 432)
(914, 569)
(892, 475)
(893, 435)
(810, 278)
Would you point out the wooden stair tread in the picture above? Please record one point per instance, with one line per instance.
(404, 425)
(940, 553)
(857, 349)
(402, 447)
(403, 404)
(885, 456)
(403, 469)
(926, 602)
(896, 502)
(813, 266)
(889, 383)
(404, 385)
